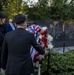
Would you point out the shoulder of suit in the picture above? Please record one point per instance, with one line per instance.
(8, 24)
(29, 32)
(10, 33)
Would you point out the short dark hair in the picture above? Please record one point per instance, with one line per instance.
(20, 18)
(2, 15)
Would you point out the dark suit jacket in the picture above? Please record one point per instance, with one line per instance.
(9, 28)
(16, 58)
(3, 29)
(1, 41)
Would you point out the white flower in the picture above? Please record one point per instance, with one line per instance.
(50, 46)
(40, 57)
(40, 36)
(36, 64)
(50, 38)
(43, 29)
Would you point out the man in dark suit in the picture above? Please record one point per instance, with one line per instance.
(1, 41)
(2, 32)
(16, 58)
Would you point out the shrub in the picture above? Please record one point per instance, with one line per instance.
(60, 64)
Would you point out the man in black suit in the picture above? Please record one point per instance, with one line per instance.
(2, 33)
(16, 58)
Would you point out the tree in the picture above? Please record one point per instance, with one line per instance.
(61, 9)
(2, 3)
(39, 11)
(52, 9)
(14, 7)
(42, 10)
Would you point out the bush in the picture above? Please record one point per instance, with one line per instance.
(60, 64)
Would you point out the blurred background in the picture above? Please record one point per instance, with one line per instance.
(57, 15)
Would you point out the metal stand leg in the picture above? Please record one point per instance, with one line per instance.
(63, 47)
(39, 69)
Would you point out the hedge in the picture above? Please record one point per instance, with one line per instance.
(60, 64)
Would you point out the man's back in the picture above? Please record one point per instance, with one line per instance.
(19, 42)
(19, 39)
(17, 45)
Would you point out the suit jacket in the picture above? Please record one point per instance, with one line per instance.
(16, 58)
(3, 29)
(1, 41)
(9, 28)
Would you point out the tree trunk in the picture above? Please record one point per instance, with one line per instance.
(0, 5)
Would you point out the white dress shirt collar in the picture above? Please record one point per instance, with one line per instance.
(20, 27)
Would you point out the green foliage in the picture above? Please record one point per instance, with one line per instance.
(3, 3)
(42, 10)
(60, 64)
(14, 7)
(52, 9)
(61, 10)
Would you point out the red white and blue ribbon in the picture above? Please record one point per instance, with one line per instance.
(35, 29)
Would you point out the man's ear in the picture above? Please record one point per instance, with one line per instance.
(3, 20)
(25, 24)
